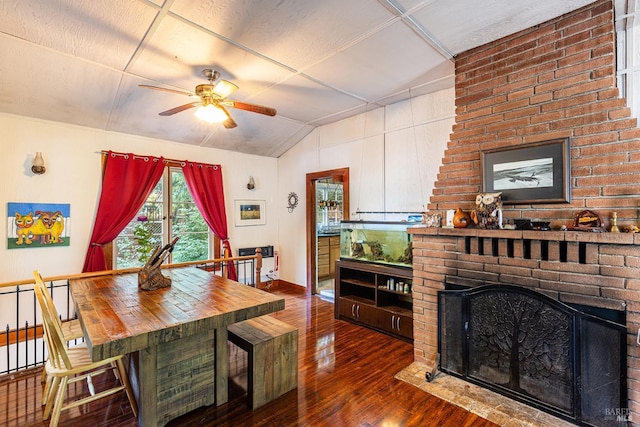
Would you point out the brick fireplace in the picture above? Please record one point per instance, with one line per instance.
(554, 80)
(590, 269)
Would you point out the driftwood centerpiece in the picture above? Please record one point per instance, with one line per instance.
(150, 277)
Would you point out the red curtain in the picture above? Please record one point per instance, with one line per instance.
(205, 185)
(128, 179)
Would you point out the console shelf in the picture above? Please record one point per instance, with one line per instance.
(377, 296)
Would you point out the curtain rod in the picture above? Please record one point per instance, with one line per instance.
(165, 159)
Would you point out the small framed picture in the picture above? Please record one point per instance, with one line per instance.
(250, 212)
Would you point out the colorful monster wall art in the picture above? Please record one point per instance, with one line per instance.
(37, 225)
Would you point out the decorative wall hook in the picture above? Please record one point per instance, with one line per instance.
(252, 184)
(292, 202)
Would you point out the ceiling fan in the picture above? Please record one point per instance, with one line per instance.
(213, 102)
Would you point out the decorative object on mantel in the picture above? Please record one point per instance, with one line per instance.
(523, 224)
(527, 224)
(510, 225)
(632, 229)
(614, 223)
(461, 219)
(588, 221)
(150, 277)
(432, 220)
(292, 201)
(488, 212)
(449, 219)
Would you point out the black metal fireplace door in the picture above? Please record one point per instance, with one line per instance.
(534, 349)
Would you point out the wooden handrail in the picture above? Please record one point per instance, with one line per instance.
(258, 266)
(20, 334)
(226, 261)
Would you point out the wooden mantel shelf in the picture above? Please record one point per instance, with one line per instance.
(554, 235)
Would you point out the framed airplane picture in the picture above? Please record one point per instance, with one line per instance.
(527, 174)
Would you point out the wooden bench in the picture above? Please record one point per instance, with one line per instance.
(272, 348)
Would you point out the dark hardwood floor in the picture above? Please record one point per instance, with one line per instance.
(346, 378)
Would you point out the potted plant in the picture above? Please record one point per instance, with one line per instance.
(144, 236)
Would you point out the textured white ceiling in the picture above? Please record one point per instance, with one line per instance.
(81, 61)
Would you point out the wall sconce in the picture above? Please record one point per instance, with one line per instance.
(38, 164)
(252, 184)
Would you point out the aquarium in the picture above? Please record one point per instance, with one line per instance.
(375, 241)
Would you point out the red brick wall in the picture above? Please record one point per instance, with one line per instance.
(553, 80)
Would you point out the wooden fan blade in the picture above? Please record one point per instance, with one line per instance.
(250, 107)
(178, 109)
(229, 123)
(164, 89)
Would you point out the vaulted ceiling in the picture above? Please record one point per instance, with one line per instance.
(316, 61)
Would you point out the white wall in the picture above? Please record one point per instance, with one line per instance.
(393, 155)
(73, 161)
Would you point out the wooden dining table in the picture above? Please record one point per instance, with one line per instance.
(176, 336)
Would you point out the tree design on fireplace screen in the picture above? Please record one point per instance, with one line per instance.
(532, 348)
(524, 346)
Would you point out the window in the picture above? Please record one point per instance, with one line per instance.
(168, 212)
(627, 59)
(329, 195)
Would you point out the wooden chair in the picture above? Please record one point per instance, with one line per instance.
(71, 329)
(68, 365)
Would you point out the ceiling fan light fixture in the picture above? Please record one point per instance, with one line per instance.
(213, 103)
(211, 114)
(224, 88)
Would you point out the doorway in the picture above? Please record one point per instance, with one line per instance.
(327, 200)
